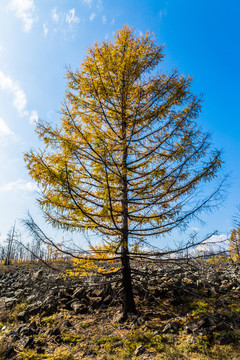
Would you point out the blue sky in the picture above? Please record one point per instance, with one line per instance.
(39, 38)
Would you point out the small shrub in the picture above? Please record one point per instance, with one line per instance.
(146, 339)
(48, 320)
(18, 308)
(61, 353)
(200, 307)
(71, 338)
(28, 354)
(108, 339)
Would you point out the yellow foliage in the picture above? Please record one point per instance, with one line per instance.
(95, 263)
(218, 260)
(234, 244)
(127, 153)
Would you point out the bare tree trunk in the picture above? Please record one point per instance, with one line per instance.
(10, 238)
(128, 303)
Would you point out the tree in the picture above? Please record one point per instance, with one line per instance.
(234, 244)
(128, 159)
(11, 235)
(234, 241)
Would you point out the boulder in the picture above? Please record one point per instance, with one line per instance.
(171, 327)
(79, 308)
(10, 302)
(37, 275)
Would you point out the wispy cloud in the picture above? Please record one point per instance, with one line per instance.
(7, 136)
(87, 2)
(19, 96)
(24, 10)
(33, 117)
(19, 185)
(92, 16)
(71, 18)
(104, 19)
(55, 15)
(45, 29)
(162, 13)
(4, 129)
(99, 4)
(65, 22)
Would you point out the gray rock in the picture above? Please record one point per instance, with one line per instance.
(171, 327)
(23, 316)
(38, 275)
(79, 308)
(197, 325)
(95, 302)
(107, 300)
(10, 302)
(31, 298)
(79, 293)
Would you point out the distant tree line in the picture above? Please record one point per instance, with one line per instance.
(13, 249)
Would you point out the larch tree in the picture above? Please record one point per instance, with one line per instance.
(128, 157)
(234, 244)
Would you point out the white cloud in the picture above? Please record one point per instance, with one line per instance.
(65, 22)
(213, 244)
(19, 96)
(55, 15)
(4, 129)
(45, 29)
(7, 136)
(20, 101)
(33, 117)
(92, 16)
(19, 185)
(24, 10)
(113, 21)
(104, 19)
(71, 18)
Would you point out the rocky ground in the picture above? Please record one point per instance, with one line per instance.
(187, 310)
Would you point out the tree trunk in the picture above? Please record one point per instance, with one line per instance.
(128, 303)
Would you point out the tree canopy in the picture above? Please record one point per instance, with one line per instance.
(128, 158)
